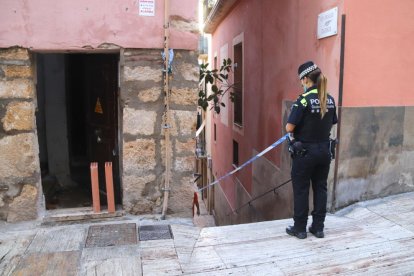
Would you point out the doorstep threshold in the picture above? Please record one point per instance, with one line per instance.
(79, 214)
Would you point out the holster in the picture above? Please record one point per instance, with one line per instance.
(296, 148)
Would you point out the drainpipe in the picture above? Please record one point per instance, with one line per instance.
(167, 123)
(340, 95)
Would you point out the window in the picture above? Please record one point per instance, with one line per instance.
(235, 153)
(238, 83)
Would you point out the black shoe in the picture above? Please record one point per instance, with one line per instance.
(318, 234)
(293, 232)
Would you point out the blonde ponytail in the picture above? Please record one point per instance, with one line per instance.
(322, 83)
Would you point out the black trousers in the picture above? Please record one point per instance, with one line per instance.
(312, 167)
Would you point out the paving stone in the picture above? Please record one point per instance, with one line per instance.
(111, 235)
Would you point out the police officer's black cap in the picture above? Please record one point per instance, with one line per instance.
(306, 68)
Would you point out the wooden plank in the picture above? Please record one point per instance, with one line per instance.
(12, 248)
(161, 267)
(112, 252)
(157, 253)
(168, 243)
(95, 187)
(124, 266)
(77, 214)
(58, 239)
(109, 187)
(223, 272)
(373, 258)
(203, 259)
(185, 236)
(287, 247)
(57, 263)
(184, 255)
(405, 220)
(159, 257)
(267, 269)
(391, 205)
(255, 231)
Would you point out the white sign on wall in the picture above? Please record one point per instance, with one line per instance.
(146, 7)
(328, 23)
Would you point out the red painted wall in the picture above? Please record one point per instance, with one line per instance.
(278, 37)
(74, 24)
(379, 53)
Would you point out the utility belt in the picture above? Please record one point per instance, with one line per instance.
(299, 148)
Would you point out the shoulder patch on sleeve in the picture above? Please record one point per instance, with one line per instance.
(304, 102)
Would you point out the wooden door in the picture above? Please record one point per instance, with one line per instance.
(101, 80)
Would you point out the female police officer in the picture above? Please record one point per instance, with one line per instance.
(310, 122)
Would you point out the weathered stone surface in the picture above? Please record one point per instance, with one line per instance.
(408, 129)
(142, 73)
(18, 157)
(187, 121)
(373, 159)
(19, 116)
(24, 207)
(14, 71)
(139, 207)
(190, 72)
(142, 56)
(139, 156)
(181, 198)
(150, 95)
(14, 53)
(173, 125)
(185, 147)
(184, 164)
(184, 96)
(18, 88)
(140, 193)
(184, 25)
(139, 121)
(135, 186)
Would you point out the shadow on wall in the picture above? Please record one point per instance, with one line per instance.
(266, 176)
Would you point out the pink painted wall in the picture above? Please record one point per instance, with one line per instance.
(278, 37)
(74, 24)
(379, 53)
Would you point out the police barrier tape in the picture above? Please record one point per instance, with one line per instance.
(272, 146)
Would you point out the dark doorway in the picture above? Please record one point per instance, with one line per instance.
(77, 123)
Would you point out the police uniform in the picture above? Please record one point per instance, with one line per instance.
(313, 165)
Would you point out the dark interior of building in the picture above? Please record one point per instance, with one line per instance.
(63, 125)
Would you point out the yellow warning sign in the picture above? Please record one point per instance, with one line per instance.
(98, 107)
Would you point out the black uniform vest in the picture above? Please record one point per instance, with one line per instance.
(311, 127)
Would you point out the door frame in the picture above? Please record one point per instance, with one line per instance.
(118, 136)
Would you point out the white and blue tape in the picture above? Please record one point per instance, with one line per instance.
(272, 146)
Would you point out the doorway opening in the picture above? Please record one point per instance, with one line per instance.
(77, 123)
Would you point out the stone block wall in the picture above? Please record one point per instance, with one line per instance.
(20, 188)
(376, 153)
(142, 111)
(142, 137)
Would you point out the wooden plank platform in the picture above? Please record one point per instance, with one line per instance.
(368, 238)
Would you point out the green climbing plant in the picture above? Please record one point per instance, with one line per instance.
(218, 78)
